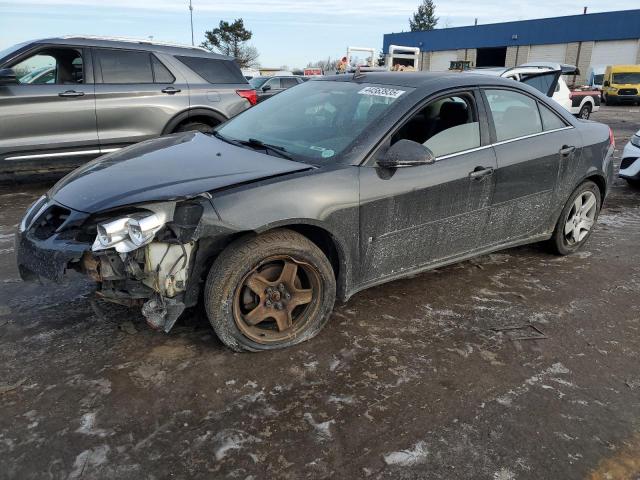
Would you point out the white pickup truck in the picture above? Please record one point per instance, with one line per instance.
(547, 77)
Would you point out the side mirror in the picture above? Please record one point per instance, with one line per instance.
(606, 83)
(8, 76)
(266, 88)
(407, 153)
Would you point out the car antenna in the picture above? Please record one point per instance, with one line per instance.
(357, 75)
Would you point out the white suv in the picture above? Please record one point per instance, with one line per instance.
(547, 77)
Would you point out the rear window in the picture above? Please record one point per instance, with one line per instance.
(214, 70)
(122, 66)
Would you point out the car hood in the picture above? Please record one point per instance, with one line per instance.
(166, 168)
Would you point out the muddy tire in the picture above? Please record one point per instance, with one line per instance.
(193, 127)
(269, 291)
(577, 219)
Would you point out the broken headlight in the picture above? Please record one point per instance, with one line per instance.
(128, 233)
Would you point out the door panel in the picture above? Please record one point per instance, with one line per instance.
(412, 217)
(529, 157)
(526, 180)
(45, 117)
(132, 108)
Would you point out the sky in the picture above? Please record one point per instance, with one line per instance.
(285, 32)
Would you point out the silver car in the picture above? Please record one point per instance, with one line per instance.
(103, 94)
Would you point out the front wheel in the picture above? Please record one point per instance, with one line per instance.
(585, 111)
(577, 219)
(268, 292)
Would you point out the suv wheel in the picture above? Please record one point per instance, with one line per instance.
(193, 126)
(577, 219)
(268, 292)
(585, 111)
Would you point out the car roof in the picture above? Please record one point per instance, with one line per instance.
(433, 80)
(132, 43)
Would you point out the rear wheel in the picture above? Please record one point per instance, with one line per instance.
(577, 219)
(268, 292)
(585, 111)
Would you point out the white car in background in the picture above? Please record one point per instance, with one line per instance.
(548, 78)
(630, 163)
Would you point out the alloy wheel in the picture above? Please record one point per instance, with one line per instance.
(275, 301)
(581, 218)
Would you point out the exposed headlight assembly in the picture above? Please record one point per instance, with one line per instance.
(128, 233)
(635, 141)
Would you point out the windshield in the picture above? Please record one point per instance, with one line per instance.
(316, 121)
(630, 77)
(597, 79)
(257, 82)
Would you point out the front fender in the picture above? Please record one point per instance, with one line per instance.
(323, 199)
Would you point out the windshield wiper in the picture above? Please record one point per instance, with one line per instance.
(218, 135)
(255, 143)
(277, 149)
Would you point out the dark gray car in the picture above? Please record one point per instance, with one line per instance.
(326, 189)
(267, 87)
(64, 101)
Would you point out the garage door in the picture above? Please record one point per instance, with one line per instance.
(555, 52)
(441, 61)
(617, 52)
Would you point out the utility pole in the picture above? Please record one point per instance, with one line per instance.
(191, 15)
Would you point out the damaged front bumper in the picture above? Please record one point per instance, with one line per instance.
(155, 276)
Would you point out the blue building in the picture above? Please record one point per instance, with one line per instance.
(594, 39)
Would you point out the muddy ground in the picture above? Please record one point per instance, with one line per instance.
(408, 380)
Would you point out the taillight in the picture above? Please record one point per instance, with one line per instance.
(250, 95)
(612, 140)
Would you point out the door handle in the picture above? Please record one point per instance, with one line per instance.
(71, 93)
(480, 172)
(171, 90)
(567, 150)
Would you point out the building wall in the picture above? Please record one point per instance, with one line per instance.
(582, 62)
(574, 28)
(425, 61)
(510, 59)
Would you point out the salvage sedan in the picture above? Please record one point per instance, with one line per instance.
(328, 188)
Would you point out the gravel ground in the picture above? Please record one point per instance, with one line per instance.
(408, 380)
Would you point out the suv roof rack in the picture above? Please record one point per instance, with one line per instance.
(133, 40)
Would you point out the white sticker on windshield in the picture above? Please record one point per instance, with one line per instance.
(381, 92)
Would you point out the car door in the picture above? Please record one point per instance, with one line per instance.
(136, 95)
(48, 115)
(531, 142)
(421, 215)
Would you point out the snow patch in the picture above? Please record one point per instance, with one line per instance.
(408, 458)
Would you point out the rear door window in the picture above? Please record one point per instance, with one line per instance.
(550, 121)
(288, 82)
(514, 114)
(124, 66)
(214, 70)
